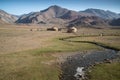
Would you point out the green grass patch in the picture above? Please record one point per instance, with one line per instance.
(105, 71)
(111, 42)
(63, 46)
(23, 66)
(36, 64)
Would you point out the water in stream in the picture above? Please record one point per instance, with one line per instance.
(84, 60)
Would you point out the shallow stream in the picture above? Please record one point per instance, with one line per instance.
(85, 59)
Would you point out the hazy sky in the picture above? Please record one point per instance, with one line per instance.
(19, 7)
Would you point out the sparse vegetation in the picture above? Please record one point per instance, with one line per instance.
(27, 55)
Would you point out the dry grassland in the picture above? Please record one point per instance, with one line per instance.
(28, 55)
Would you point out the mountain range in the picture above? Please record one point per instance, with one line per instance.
(58, 15)
(102, 13)
(6, 17)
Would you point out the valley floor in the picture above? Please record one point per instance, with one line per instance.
(33, 55)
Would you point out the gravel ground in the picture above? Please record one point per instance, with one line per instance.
(85, 59)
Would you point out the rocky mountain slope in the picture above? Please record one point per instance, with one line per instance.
(115, 22)
(102, 13)
(58, 15)
(49, 15)
(88, 21)
(6, 17)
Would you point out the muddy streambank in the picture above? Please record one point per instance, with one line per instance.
(86, 59)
